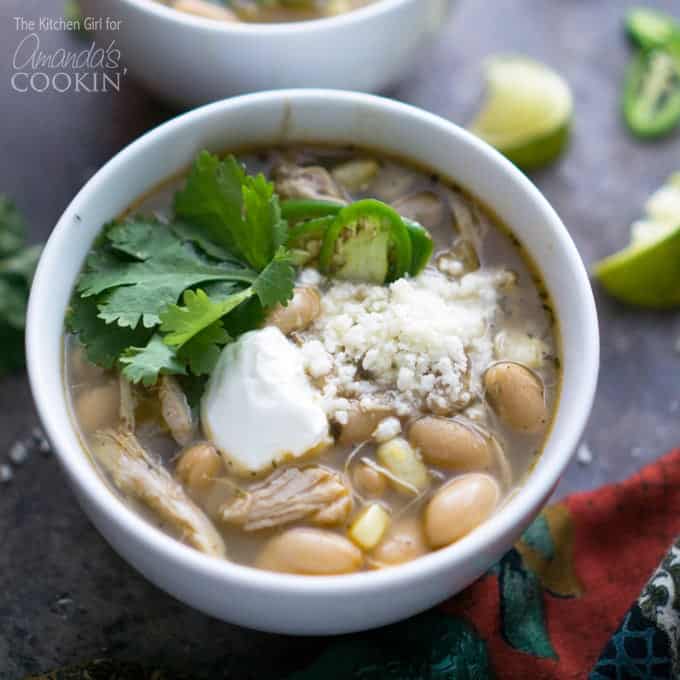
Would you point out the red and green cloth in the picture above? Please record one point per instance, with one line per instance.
(565, 602)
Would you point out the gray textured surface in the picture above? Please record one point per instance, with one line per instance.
(64, 595)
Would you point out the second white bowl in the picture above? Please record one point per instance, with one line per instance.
(189, 60)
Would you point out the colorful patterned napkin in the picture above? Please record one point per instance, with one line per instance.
(556, 607)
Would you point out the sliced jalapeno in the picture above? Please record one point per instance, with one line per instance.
(298, 209)
(367, 241)
(422, 246)
(651, 100)
(651, 28)
(305, 239)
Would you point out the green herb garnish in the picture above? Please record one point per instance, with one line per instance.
(17, 265)
(222, 249)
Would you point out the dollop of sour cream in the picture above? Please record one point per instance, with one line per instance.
(259, 407)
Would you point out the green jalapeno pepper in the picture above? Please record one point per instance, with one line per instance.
(651, 99)
(305, 239)
(650, 28)
(299, 209)
(367, 241)
(422, 246)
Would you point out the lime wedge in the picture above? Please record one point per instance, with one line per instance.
(527, 113)
(644, 275)
(647, 272)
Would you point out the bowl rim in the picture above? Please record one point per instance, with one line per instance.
(345, 20)
(88, 481)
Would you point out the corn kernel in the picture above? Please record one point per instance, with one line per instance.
(370, 527)
(404, 463)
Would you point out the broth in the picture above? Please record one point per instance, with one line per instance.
(403, 472)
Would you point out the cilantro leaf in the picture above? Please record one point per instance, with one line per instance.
(140, 237)
(220, 289)
(235, 210)
(275, 283)
(203, 350)
(246, 317)
(265, 230)
(142, 289)
(182, 323)
(17, 265)
(103, 342)
(212, 198)
(144, 364)
(186, 324)
(188, 232)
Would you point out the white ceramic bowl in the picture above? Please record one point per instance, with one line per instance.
(190, 60)
(288, 603)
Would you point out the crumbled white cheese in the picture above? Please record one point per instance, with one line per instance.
(512, 345)
(417, 342)
(387, 429)
(309, 277)
(318, 361)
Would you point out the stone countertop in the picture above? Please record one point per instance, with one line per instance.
(66, 596)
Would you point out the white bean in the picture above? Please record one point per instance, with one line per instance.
(404, 542)
(459, 507)
(303, 550)
(198, 466)
(450, 444)
(298, 314)
(516, 394)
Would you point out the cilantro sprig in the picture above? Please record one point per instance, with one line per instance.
(17, 265)
(154, 297)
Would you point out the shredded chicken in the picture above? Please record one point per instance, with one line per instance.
(423, 207)
(137, 475)
(312, 493)
(128, 403)
(175, 410)
(335, 513)
(294, 181)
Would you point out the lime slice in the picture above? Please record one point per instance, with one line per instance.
(644, 275)
(647, 272)
(527, 113)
